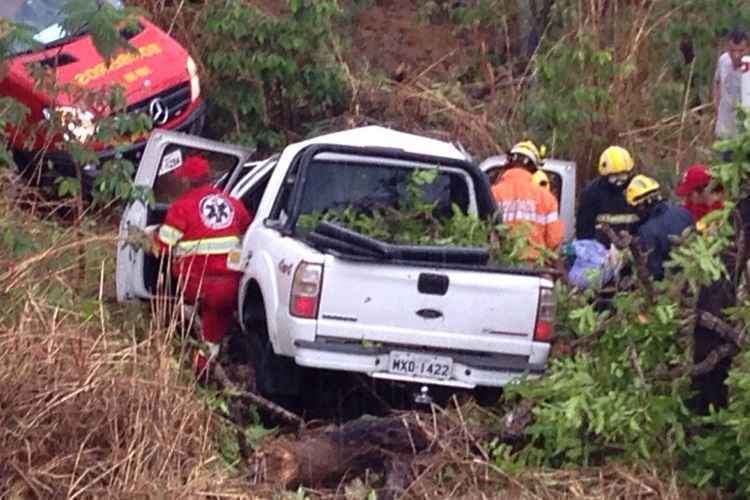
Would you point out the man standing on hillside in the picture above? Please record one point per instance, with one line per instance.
(726, 90)
(523, 203)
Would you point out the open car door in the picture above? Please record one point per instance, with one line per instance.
(138, 273)
(562, 176)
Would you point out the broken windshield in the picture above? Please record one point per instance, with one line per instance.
(43, 18)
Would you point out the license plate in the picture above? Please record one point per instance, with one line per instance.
(420, 365)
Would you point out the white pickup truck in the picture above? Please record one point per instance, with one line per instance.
(337, 300)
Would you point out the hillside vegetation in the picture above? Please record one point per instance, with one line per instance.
(96, 399)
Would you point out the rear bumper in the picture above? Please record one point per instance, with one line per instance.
(470, 369)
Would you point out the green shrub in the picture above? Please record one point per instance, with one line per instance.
(270, 74)
(622, 395)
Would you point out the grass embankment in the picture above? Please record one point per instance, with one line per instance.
(95, 400)
(92, 400)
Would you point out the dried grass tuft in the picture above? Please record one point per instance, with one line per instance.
(93, 402)
(87, 412)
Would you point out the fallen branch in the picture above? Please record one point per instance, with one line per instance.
(713, 359)
(723, 328)
(391, 444)
(705, 366)
(221, 376)
(635, 361)
(317, 458)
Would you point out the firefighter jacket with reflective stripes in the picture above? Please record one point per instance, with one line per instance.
(522, 202)
(664, 222)
(603, 203)
(200, 229)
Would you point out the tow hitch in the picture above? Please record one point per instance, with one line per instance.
(423, 397)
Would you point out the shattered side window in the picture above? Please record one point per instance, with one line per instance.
(168, 187)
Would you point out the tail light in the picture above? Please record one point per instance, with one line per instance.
(544, 329)
(306, 290)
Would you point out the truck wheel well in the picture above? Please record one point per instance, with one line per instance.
(254, 310)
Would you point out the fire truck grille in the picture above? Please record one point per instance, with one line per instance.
(174, 101)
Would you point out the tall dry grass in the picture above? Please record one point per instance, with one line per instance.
(93, 399)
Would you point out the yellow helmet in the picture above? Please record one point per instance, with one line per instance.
(529, 150)
(540, 178)
(615, 160)
(640, 189)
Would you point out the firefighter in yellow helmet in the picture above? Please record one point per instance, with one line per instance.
(603, 200)
(541, 179)
(660, 221)
(524, 203)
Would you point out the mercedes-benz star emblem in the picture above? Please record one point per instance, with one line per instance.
(159, 111)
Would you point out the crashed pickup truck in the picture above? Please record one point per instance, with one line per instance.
(334, 299)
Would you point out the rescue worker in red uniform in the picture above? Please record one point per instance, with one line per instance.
(699, 198)
(200, 229)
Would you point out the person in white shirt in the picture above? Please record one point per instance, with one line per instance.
(727, 84)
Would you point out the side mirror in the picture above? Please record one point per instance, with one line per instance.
(278, 225)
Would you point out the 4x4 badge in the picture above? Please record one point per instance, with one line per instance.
(285, 268)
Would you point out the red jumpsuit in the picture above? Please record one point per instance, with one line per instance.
(200, 229)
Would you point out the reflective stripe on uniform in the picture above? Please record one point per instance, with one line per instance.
(549, 218)
(169, 235)
(617, 218)
(525, 210)
(207, 246)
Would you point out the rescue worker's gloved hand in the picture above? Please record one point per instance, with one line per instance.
(614, 259)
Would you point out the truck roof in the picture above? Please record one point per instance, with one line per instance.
(377, 136)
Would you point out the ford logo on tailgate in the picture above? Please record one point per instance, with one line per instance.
(429, 313)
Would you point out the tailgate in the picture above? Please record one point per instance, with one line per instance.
(471, 310)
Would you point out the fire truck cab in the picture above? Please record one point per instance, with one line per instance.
(158, 76)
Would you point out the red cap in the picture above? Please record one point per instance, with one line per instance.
(192, 168)
(695, 177)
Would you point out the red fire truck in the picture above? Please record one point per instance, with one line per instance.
(159, 78)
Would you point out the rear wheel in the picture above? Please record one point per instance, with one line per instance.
(276, 377)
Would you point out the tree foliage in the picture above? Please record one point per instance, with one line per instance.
(270, 74)
(624, 392)
(414, 222)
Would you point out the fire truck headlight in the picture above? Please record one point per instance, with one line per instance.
(76, 123)
(195, 82)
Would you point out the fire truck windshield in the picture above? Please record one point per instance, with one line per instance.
(43, 18)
